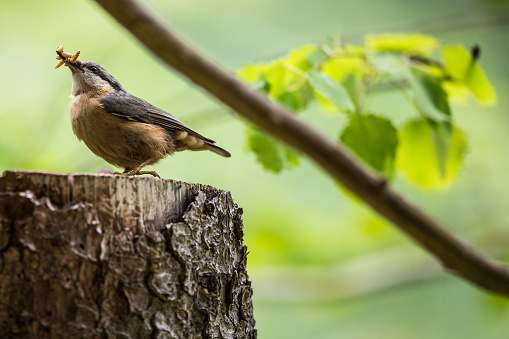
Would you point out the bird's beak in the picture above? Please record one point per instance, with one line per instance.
(73, 66)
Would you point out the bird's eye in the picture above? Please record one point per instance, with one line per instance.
(94, 69)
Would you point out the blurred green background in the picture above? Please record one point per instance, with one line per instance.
(322, 265)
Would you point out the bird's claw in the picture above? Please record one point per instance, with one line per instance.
(134, 172)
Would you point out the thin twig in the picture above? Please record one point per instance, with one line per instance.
(456, 255)
(462, 20)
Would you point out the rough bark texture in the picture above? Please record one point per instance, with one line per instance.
(93, 256)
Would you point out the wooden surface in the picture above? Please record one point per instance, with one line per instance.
(96, 256)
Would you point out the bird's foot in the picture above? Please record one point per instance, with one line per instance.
(138, 172)
(153, 173)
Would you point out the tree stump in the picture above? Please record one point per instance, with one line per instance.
(103, 256)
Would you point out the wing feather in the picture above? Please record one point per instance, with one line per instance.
(128, 106)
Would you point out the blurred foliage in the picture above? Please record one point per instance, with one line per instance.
(374, 139)
(340, 77)
(272, 155)
(439, 146)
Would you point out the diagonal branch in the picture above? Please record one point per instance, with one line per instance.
(457, 256)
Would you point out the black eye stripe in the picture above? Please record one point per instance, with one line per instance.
(103, 74)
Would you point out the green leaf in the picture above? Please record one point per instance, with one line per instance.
(303, 58)
(297, 99)
(279, 79)
(286, 79)
(410, 43)
(330, 90)
(266, 151)
(315, 57)
(429, 96)
(374, 139)
(419, 160)
(340, 67)
(463, 68)
(280, 83)
(272, 155)
(292, 157)
(389, 64)
(354, 85)
(456, 91)
(349, 72)
(441, 137)
(252, 72)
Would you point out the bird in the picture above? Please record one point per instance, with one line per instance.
(126, 131)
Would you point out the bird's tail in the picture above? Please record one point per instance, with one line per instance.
(218, 150)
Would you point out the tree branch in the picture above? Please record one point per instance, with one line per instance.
(457, 256)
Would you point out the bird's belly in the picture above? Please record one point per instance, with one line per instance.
(121, 142)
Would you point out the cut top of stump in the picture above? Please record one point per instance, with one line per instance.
(144, 204)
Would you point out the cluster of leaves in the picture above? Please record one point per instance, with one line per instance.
(428, 149)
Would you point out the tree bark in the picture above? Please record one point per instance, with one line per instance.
(96, 256)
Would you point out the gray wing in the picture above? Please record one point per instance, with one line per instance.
(130, 107)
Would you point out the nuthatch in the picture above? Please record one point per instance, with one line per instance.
(121, 128)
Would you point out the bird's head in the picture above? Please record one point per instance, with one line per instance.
(89, 76)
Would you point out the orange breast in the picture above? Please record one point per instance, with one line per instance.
(121, 142)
